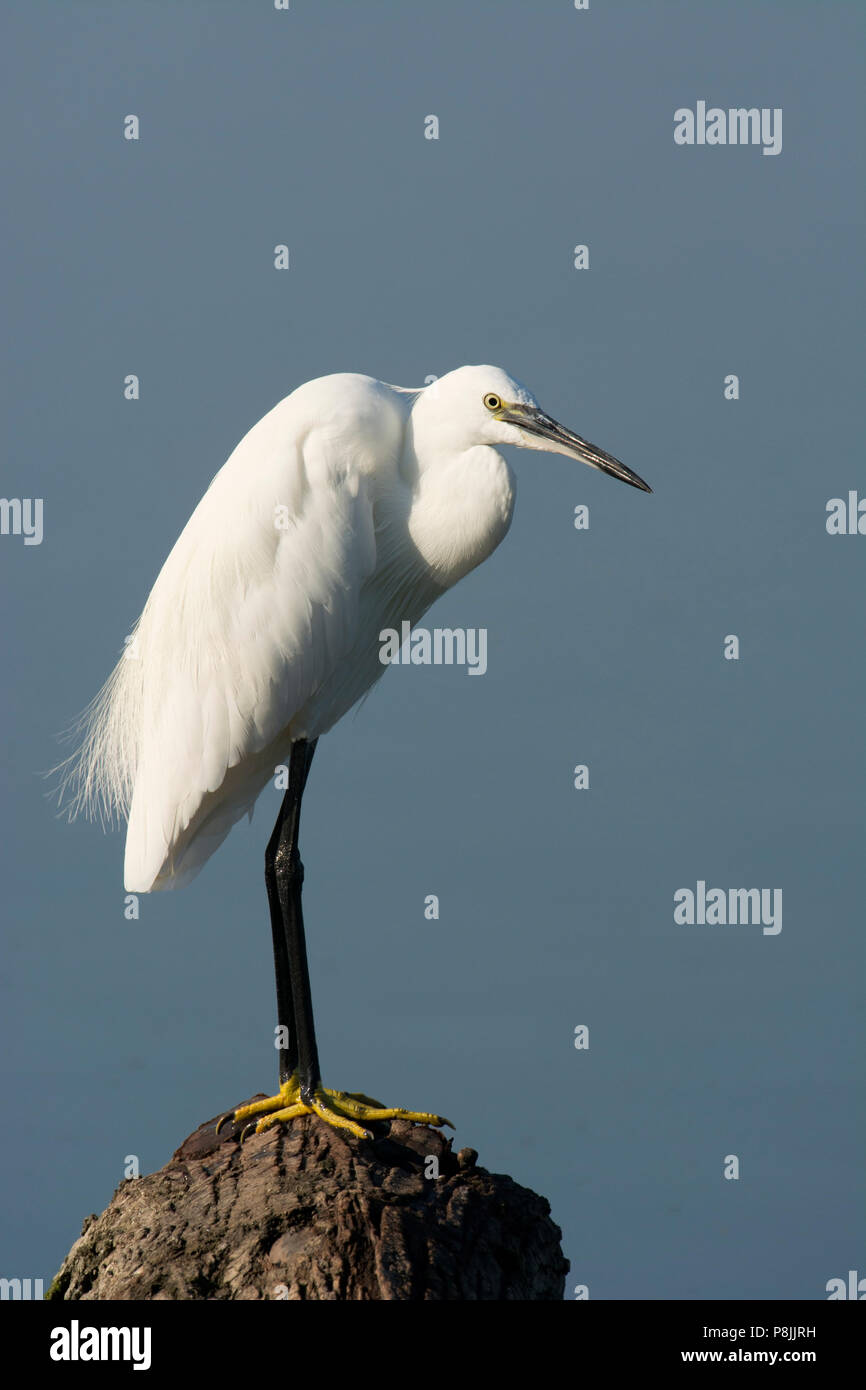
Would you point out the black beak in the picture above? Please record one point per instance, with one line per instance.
(563, 441)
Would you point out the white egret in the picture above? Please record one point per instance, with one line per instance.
(349, 508)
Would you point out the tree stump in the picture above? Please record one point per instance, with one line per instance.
(304, 1211)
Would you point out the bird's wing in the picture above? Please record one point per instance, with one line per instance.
(251, 612)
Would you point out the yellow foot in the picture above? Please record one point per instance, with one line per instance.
(341, 1109)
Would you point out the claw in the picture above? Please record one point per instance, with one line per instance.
(347, 1110)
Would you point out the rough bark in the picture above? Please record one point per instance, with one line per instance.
(305, 1212)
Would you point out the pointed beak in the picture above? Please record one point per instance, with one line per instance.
(562, 441)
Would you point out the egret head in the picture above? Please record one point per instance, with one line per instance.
(484, 405)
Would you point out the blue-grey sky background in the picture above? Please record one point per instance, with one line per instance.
(410, 257)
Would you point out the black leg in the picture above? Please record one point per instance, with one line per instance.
(285, 1004)
(284, 875)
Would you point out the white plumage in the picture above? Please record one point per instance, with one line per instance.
(347, 509)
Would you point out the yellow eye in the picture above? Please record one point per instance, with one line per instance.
(492, 401)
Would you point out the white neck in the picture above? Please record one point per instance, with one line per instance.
(461, 510)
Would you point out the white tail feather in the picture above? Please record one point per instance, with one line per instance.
(97, 780)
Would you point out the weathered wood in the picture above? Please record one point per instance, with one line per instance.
(305, 1212)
